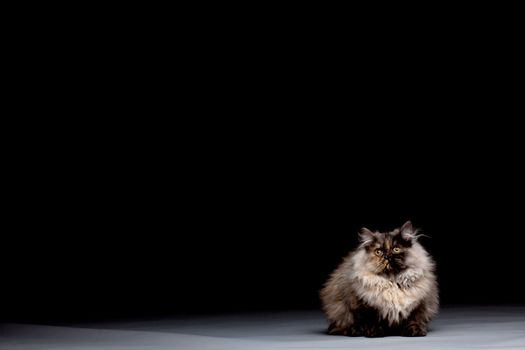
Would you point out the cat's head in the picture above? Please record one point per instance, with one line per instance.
(386, 252)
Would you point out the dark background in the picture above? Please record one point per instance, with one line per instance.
(219, 222)
(217, 172)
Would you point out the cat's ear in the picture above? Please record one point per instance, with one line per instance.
(407, 231)
(366, 236)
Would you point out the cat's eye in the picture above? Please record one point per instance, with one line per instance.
(396, 250)
(379, 252)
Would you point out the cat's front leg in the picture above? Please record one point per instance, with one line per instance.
(416, 324)
(369, 323)
(414, 329)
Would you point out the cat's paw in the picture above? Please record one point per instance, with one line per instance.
(333, 329)
(414, 330)
(375, 332)
(354, 331)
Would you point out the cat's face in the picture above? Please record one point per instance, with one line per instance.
(387, 251)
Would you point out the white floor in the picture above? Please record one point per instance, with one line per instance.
(455, 328)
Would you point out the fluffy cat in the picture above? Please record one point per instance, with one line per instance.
(386, 286)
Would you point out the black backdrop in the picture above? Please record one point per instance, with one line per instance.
(220, 224)
(177, 207)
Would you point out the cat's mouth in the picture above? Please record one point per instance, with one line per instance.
(388, 267)
(385, 266)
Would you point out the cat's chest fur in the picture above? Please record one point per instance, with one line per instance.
(395, 297)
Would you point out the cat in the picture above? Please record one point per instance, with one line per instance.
(386, 286)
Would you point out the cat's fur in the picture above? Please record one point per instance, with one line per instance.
(378, 290)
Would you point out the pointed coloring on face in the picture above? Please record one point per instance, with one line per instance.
(388, 250)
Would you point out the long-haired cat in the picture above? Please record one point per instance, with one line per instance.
(386, 286)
